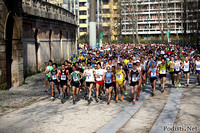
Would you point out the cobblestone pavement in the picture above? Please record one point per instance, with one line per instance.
(28, 109)
(18, 97)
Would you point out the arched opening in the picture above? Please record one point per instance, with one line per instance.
(8, 39)
(36, 47)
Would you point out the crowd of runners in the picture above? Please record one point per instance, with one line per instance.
(114, 68)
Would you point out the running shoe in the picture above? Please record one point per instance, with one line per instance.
(52, 98)
(59, 96)
(125, 93)
(179, 84)
(116, 98)
(122, 98)
(152, 94)
(46, 90)
(74, 102)
(108, 102)
(137, 98)
(89, 101)
(177, 87)
(97, 100)
(162, 90)
(133, 101)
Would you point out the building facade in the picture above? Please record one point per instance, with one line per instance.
(31, 33)
(154, 17)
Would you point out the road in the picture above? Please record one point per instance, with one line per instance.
(47, 116)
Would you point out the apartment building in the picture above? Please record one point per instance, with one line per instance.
(153, 16)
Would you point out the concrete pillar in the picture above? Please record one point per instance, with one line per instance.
(92, 24)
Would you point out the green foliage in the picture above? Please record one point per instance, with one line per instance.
(2, 87)
(83, 37)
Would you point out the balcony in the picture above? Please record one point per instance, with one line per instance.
(105, 6)
(105, 24)
(83, 25)
(82, 1)
(105, 15)
(83, 8)
(83, 17)
(82, 33)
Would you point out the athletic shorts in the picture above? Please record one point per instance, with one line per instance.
(82, 80)
(108, 85)
(171, 72)
(197, 71)
(126, 78)
(46, 77)
(185, 72)
(144, 72)
(120, 82)
(152, 79)
(63, 82)
(55, 82)
(175, 72)
(162, 75)
(114, 84)
(88, 83)
(75, 84)
(134, 83)
(101, 83)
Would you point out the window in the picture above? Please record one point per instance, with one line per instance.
(83, 29)
(82, 21)
(82, 13)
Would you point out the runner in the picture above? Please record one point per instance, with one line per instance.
(89, 73)
(46, 77)
(47, 74)
(120, 77)
(140, 69)
(108, 78)
(197, 65)
(153, 77)
(144, 75)
(99, 80)
(75, 78)
(162, 73)
(186, 70)
(126, 70)
(171, 69)
(134, 76)
(62, 74)
(54, 81)
(83, 83)
(177, 71)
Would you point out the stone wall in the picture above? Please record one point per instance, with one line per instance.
(54, 40)
(41, 31)
(3, 13)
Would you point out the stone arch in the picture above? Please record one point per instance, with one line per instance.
(8, 39)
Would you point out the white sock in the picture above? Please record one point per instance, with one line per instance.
(188, 81)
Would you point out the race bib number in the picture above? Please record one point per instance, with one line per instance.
(198, 67)
(99, 77)
(75, 78)
(118, 76)
(186, 68)
(153, 74)
(53, 77)
(108, 81)
(163, 72)
(177, 68)
(63, 77)
(88, 77)
(134, 79)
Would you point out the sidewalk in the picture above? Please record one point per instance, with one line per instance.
(18, 97)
